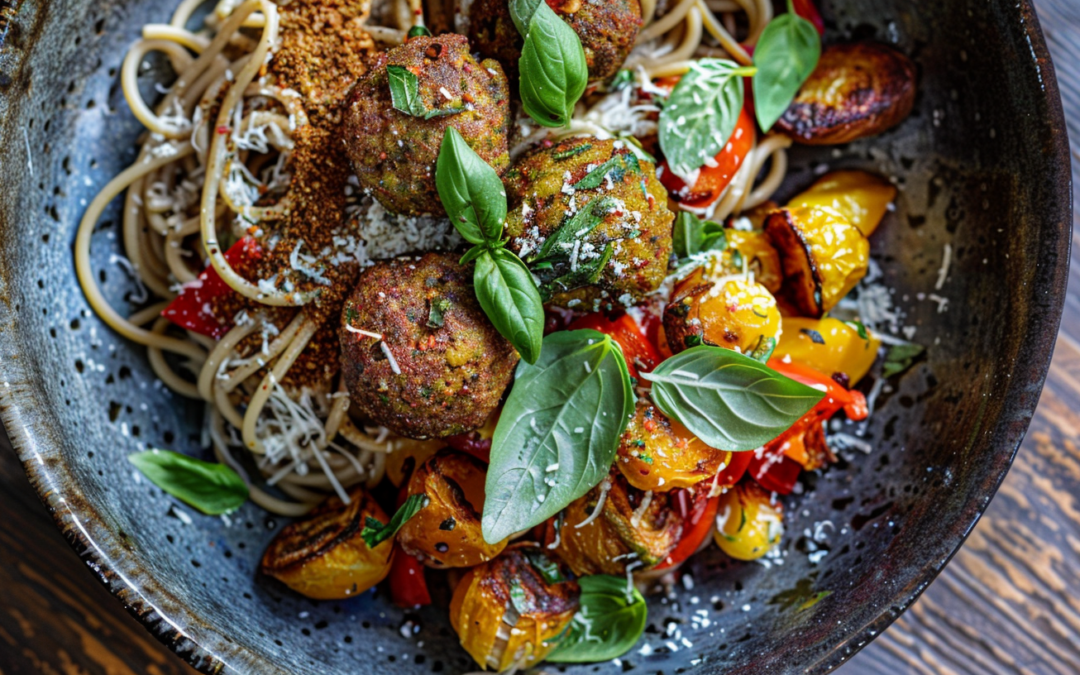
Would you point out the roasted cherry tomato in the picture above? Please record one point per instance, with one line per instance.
(861, 197)
(323, 555)
(748, 522)
(806, 447)
(828, 346)
(477, 442)
(193, 308)
(511, 610)
(658, 453)
(640, 354)
(714, 177)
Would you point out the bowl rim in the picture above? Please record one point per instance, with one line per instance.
(37, 445)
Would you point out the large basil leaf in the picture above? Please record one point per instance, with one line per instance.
(470, 190)
(558, 432)
(375, 533)
(405, 91)
(701, 113)
(786, 53)
(508, 295)
(691, 235)
(609, 622)
(553, 70)
(207, 486)
(728, 400)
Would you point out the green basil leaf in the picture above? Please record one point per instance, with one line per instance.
(437, 312)
(375, 533)
(472, 254)
(561, 242)
(728, 400)
(587, 272)
(558, 432)
(405, 91)
(547, 567)
(521, 12)
(207, 486)
(470, 191)
(860, 328)
(616, 167)
(418, 31)
(553, 70)
(900, 357)
(786, 53)
(701, 113)
(508, 295)
(691, 236)
(609, 622)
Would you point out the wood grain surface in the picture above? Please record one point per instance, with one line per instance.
(1009, 602)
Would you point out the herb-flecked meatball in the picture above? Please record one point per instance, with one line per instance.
(440, 368)
(592, 221)
(607, 28)
(393, 152)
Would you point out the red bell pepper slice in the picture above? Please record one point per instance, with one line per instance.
(473, 443)
(807, 10)
(192, 308)
(408, 585)
(699, 512)
(640, 354)
(773, 470)
(735, 469)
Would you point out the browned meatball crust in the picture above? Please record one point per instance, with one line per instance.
(394, 153)
(607, 30)
(447, 366)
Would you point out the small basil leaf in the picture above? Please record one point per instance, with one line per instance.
(521, 12)
(418, 31)
(437, 312)
(616, 167)
(207, 486)
(900, 357)
(559, 245)
(610, 620)
(558, 432)
(701, 113)
(508, 295)
(691, 236)
(728, 400)
(405, 91)
(860, 328)
(786, 54)
(375, 533)
(553, 70)
(470, 190)
(472, 254)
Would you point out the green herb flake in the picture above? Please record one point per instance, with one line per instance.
(859, 328)
(375, 533)
(815, 599)
(547, 568)
(405, 91)
(615, 166)
(572, 152)
(437, 312)
(418, 31)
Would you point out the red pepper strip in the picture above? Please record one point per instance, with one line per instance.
(408, 585)
(773, 470)
(807, 10)
(640, 354)
(697, 528)
(472, 443)
(193, 309)
(735, 469)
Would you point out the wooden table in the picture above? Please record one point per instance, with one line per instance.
(1009, 602)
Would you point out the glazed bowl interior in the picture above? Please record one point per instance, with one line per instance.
(983, 167)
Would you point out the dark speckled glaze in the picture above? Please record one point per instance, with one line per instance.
(984, 166)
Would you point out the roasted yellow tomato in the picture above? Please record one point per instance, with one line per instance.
(748, 523)
(856, 90)
(635, 529)
(446, 532)
(828, 346)
(509, 611)
(406, 454)
(323, 556)
(733, 313)
(861, 197)
(657, 453)
(808, 447)
(823, 256)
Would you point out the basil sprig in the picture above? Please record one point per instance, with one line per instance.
(558, 432)
(691, 236)
(375, 533)
(728, 400)
(698, 118)
(475, 200)
(609, 622)
(552, 63)
(209, 487)
(786, 54)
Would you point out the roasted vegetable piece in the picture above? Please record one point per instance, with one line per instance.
(657, 453)
(828, 346)
(857, 90)
(323, 556)
(861, 197)
(736, 314)
(509, 611)
(748, 522)
(822, 254)
(747, 251)
(446, 532)
(406, 455)
(641, 355)
(634, 530)
(807, 447)
(699, 511)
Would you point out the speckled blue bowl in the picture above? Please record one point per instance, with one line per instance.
(985, 167)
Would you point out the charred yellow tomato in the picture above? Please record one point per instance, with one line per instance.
(736, 313)
(748, 524)
(511, 610)
(446, 532)
(406, 455)
(808, 447)
(747, 251)
(323, 556)
(657, 453)
(635, 529)
(823, 256)
(828, 346)
(861, 197)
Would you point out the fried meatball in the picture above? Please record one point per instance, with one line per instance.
(576, 183)
(440, 368)
(393, 153)
(607, 31)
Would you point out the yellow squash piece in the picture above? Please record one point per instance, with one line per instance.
(748, 523)
(735, 313)
(828, 346)
(861, 197)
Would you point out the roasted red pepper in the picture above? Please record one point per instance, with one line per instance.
(193, 308)
(699, 512)
(640, 354)
(735, 469)
(807, 10)
(408, 585)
